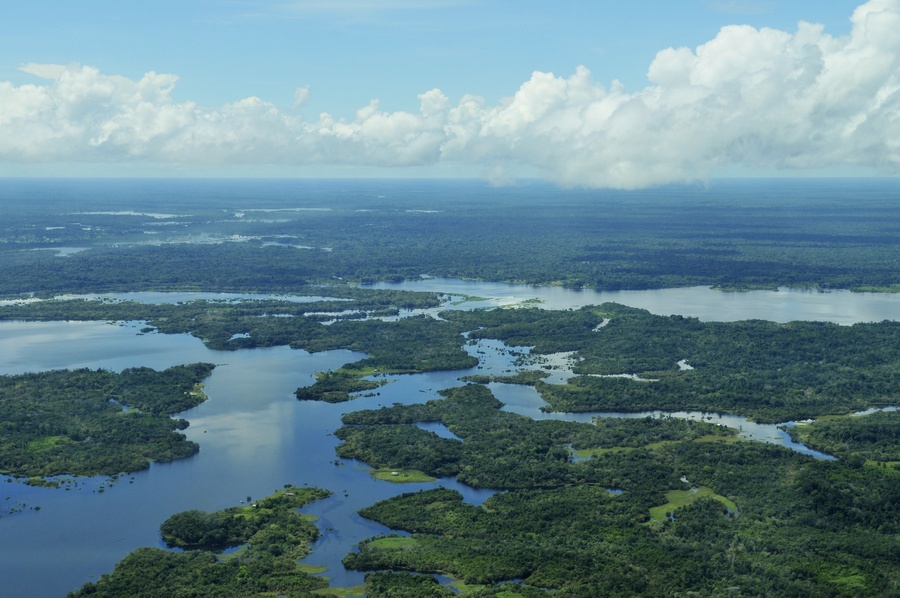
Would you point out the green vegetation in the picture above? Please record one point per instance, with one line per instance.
(275, 537)
(401, 476)
(800, 529)
(499, 449)
(89, 422)
(805, 528)
(413, 344)
(391, 584)
(230, 325)
(335, 387)
(237, 525)
(526, 377)
(731, 233)
(873, 437)
(682, 498)
(768, 371)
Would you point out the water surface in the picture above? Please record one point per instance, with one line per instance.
(705, 303)
(255, 437)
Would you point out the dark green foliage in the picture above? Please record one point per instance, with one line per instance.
(162, 393)
(505, 450)
(414, 344)
(792, 536)
(276, 536)
(848, 497)
(89, 422)
(335, 387)
(875, 436)
(199, 529)
(731, 234)
(802, 528)
(401, 447)
(771, 372)
(397, 584)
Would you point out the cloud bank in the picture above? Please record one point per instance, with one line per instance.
(757, 98)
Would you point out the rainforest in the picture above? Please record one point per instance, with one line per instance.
(439, 388)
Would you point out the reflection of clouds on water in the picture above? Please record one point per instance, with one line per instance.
(60, 251)
(255, 436)
(131, 213)
(41, 346)
(784, 305)
(172, 297)
(245, 439)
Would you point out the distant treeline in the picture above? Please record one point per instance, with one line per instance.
(835, 235)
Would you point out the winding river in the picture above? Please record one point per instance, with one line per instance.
(255, 437)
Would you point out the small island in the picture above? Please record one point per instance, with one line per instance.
(273, 536)
(93, 422)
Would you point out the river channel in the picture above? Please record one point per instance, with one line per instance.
(255, 436)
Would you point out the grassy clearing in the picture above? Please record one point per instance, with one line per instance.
(682, 498)
(464, 589)
(468, 298)
(393, 543)
(713, 438)
(588, 453)
(401, 476)
(362, 372)
(312, 569)
(890, 466)
(47, 443)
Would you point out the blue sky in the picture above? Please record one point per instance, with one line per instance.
(490, 88)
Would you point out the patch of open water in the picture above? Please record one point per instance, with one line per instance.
(255, 436)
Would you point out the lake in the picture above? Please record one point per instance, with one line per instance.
(783, 305)
(255, 436)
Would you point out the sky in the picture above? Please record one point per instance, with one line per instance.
(584, 93)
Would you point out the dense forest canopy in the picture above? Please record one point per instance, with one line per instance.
(280, 235)
(88, 422)
(616, 507)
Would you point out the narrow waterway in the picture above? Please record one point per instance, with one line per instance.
(255, 436)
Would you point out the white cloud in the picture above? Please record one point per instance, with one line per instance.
(301, 96)
(44, 71)
(755, 98)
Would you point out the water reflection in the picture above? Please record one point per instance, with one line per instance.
(525, 400)
(255, 436)
(439, 429)
(783, 305)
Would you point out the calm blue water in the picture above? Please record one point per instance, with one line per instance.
(255, 436)
(783, 305)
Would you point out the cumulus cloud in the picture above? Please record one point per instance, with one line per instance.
(761, 98)
(301, 96)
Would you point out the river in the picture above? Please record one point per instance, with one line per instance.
(255, 436)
